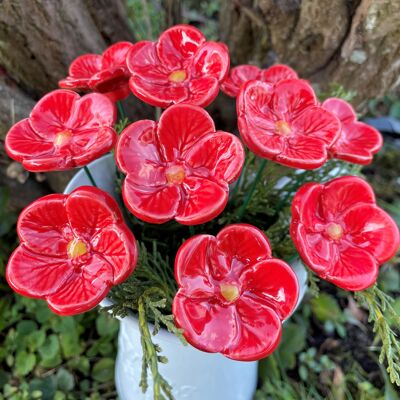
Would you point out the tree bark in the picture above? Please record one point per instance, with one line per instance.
(355, 43)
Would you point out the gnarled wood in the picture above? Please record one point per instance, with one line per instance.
(354, 43)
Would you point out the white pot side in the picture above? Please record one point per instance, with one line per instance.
(193, 374)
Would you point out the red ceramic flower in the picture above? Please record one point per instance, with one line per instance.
(63, 131)
(180, 68)
(340, 232)
(179, 168)
(106, 73)
(284, 123)
(358, 142)
(232, 295)
(73, 249)
(241, 74)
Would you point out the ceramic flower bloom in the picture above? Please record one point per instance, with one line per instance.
(340, 232)
(241, 74)
(284, 123)
(73, 249)
(179, 168)
(358, 142)
(106, 73)
(232, 295)
(181, 67)
(64, 131)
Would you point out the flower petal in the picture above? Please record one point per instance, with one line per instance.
(342, 193)
(203, 200)
(316, 250)
(90, 210)
(192, 269)
(202, 91)
(177, 44)
(357, 143)
(291, 97)
(52, 112)
(151, 204)
(85, 66)
(23, 142)
(315, 122)
(258, 332)
(277, 73)
(137, 154)
(44, 226)
(180, 126)
(303, 152)
(219, 155)
(353, 269)
(341, 108)
(274, 283)
(373, 230)
(211, 60)
(84, 289)
(142, 60)
(238, 76)
(158, 95)
(116, 54)
(117, 246)
(36, 274)
(206, 326)
(239, 246)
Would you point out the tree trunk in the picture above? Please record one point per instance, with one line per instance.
(355, 43)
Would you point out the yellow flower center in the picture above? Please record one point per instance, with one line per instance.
(334, 231)
(76, 248)
(282, 128)
(229, 292)
(175, 174)
(62, 137)
(177, 76)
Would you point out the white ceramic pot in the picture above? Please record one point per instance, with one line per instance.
(193, 374)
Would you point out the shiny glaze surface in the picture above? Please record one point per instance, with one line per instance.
(106, 73)
(181, 67)
(285, 123)
(179, 167)
(357, 142)
(63, 131)
(233, 296)
(241, 74)
(73, 249)
(340, 232)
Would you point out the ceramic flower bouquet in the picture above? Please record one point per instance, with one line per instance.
(198, 195)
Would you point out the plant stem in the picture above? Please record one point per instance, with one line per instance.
(157, 113)
(252, 189)
(90, 176)
(121, 110)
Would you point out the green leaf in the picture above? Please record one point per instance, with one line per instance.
(103, 370)
(24, 363)
(326, 308)
(70, 344)
(65, 380)
(50, 352)
(293, 341)
(46, 385)
(395, 110)
(106, 325)
(35, 339)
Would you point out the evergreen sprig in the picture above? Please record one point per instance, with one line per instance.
(380, 307)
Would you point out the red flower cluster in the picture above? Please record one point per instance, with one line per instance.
(106, 73)
(242, 74)
(73, 249)
(63, 131)
(340, 232)
(179, 168)
(358, 142)
(285, 123)
(233, 296)
(181, 67)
